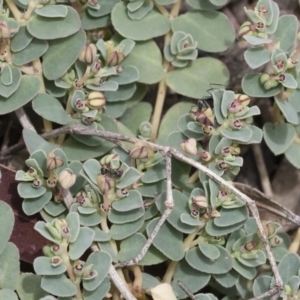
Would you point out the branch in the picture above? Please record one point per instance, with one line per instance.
(186, 290)
(169, 206)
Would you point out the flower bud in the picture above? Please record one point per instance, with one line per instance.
(58, 197)
(205, 155)
(88, 54)
(281, 77)
(121, 193)
(222, 165)
(119, 69)
(242, 111)
(32, 172)
(47, 251)
(263, 12)
(250, 246)
(207, 130)
(65, 232)
(105, 183)
(81, 198)
(199, 201)
(80, 104)
(66, 179)
(275, 241)
(246, 28)
(89, 273)
(225, 151)
(52, 181)
(141, 151)
(195, 213)
(96, 66)
(289, 292)
(270, 84)
(235, 149)
(242, 99)
(78, 267)
(236, 124)
(264, 78)
(111, 160)
(189, 146)
(260, 26)
(291, 63)
(53, 162)
(223, 195)
(87, 120)
(105, 208)
(56, 249)
(56, 261)
(36, 183)
(4, 30)
(95, 100)
(53, 231)
(115, 58)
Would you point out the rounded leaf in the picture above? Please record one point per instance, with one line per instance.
(195, 80)
(152, 25)
(58, 285)
(62, 54)
(279, 137)
(52, 11)
(42, 266)
(7, 220)
(54, 28)
(212, 30)
(146, 57)
(50, 109)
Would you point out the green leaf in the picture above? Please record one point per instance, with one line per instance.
(100, 236)
(51, 28)
(214, 230)
(54, 209)
(202, 4)
(146, 57)
(286, 32)
(101, 262)
(73, 225)
(251, 86)
(34, 50)
(26, 190)
(7, 220)
(131, 247)
(105, 8)
(256, 57)
(7, 91)
(128, 75)
(21, 39)
(42, 266)
(288, 111)
(278, 137)
(193, 279)
(106, 247)
(50, 109)
(180, 206)
(197, 260)
(288, 267)
(8, 294)
(212, 30)
(227, 280)
(194, 80)
(58, 285)
(10, 267)
(78, 151)
(168, 240)
(27, 90)
(247, 272)
(261, 285)
(124, 92)
(210, 251)
(153, 25)
(33, 141)
(154, 174)
(89, 23)
(99, 292)
(292, 155)
(82, 243)
(52, 11)
(6, 76)
(134, 200)
(122, 231)
(118, 217)
(62, 54)
(231, 216)
(130, 177)
(29, 287)
(33, 205)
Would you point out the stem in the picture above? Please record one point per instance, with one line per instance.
(14, 10)
(162, 87)
(31, 7)
(138, 281)
(160, 99)
(186, 244)
(161, 9)
(193, 178)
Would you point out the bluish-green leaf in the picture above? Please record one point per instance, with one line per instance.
(7, 220)
(42, 266)
(33, 205)
(58, 285)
